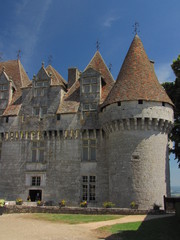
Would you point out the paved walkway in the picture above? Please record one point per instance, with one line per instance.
(21, 227)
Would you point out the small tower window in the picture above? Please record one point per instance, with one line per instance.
(58, 117)
(163, 104)
(140, 101)
(7, 119)
(119, 103)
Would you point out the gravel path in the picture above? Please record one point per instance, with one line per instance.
(21, 227)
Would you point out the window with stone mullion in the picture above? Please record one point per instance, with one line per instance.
(89, 150)
(37, 151)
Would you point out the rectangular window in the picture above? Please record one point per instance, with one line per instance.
(86, 88)
(42, 84)
(90, 85)
(88, 188)
(89, 106)
(36, 111)
(38, 149)
(94, 88)
(4, 87)
(58, 117)
(40, 111)
(36, 181)
(2, 95)
(44, 110)
(89, 150)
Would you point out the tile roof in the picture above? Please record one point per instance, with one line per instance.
(12, 110)
(15, 70)
(56, 78)
(71, 100)
(98, 64)
(137, 79)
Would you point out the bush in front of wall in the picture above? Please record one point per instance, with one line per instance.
(19, 201)
(108, 204)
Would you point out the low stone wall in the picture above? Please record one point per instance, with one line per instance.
(74, 210)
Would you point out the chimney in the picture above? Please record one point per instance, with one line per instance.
(73, 76)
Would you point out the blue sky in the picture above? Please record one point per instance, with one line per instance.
(68, 30)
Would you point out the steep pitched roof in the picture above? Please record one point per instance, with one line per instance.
(56, 78)
(98, 64)
(137, 79)
(15, 70)
(71, 100)
(12, 110)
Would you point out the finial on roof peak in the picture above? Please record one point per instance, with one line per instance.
(136, 30)
(42, 63)
(97, 45)
(3, 68)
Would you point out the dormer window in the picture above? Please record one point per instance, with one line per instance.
(40, 86)
(3, 87)
(89, 85)
(40, 111)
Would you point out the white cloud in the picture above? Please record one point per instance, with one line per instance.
(28, 28)
(109, 21)
(164, 72)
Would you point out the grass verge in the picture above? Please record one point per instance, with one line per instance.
(73, 218)
(157, 229)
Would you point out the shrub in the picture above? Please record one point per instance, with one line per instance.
(108, 204)
(134, 205)
(62, 203)
(83, 204)
(39, 203)
(19, 201)
(2, 202)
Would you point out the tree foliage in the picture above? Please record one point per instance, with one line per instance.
(173, 90)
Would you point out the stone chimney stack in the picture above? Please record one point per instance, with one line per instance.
(73, 76)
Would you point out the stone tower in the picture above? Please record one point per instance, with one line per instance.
(137, 116)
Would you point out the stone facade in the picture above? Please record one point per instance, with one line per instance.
(74, 141)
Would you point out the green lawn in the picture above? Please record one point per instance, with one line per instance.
(157, 229)
(73, 218)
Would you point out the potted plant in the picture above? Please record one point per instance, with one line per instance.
(83, 204)
(62, 203)
(2, 204)
(133, 205)
(108, 204)
(19, 201)
(39, 203)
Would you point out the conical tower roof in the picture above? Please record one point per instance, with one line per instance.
(137, 79)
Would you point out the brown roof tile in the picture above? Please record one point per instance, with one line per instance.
(15, 70)
(56, 78)
(137, 79)
(12, 110)
(71, 100)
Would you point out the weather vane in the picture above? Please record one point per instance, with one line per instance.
(18, 54)
(97, 45)
(136, 26)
